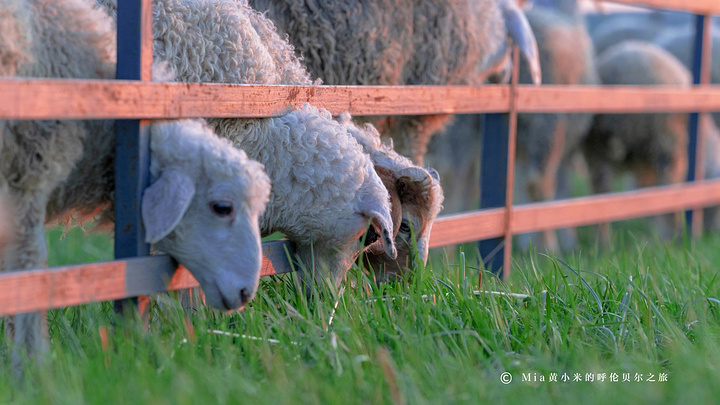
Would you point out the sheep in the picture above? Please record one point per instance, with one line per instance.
(202, 193)
(325, 189)
(652, 145)
(415, 198)
(613, 29)
(383, 42)
(546, 142)
(672, 31)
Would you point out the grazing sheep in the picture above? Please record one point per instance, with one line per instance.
(415, 197)
(652, 146)
(613, 29)
(546, 142)
(382, 42)
(202, 193)
(325, 189)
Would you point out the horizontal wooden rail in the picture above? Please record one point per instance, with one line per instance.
(80, 284)
(616, 99)
(92, 99)
(88, 99)
(485, 224)
(690, 6)
(41, 289)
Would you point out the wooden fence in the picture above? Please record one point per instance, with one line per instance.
(133, 100)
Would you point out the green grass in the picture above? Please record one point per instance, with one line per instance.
(642, 307)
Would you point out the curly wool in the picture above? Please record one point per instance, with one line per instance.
(313, 164)
(383, 42)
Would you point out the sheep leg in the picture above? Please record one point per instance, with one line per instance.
(522, 190)
(669, 225)
(549, 179)
(566, 236)
(29, 330)
(601, 174)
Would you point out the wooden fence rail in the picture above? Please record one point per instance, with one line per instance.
(95, 99)
(121, 99)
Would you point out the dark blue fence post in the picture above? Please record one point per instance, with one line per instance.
(702, 23)
(493, 181)
(132, 138)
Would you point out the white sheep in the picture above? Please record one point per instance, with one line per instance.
(202, 193)
(325, 189)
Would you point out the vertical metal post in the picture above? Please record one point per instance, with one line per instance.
(701, 76)
(132, 149)
(493, 181)
(497, 177)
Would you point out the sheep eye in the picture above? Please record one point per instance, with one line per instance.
(405, 226)
(222, 208)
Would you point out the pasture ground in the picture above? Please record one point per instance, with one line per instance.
(643, 309)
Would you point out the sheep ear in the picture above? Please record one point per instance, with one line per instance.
(383, 226)
(520, 32)
(390, 183)
(164, 203)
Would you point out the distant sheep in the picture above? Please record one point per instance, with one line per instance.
(679, 42)
(546, 142)
(613, 29)
(652, 146)
(203, 191)
(325, 190)
(382, 42)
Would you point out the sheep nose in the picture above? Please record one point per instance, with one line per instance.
(245, 296)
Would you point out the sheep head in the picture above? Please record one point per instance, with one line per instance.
(368, 227)
(326, 193)
(202, 208)
(416, 198)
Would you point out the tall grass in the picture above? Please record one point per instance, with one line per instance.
(643, 307)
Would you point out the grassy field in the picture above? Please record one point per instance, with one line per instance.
(642, 310)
